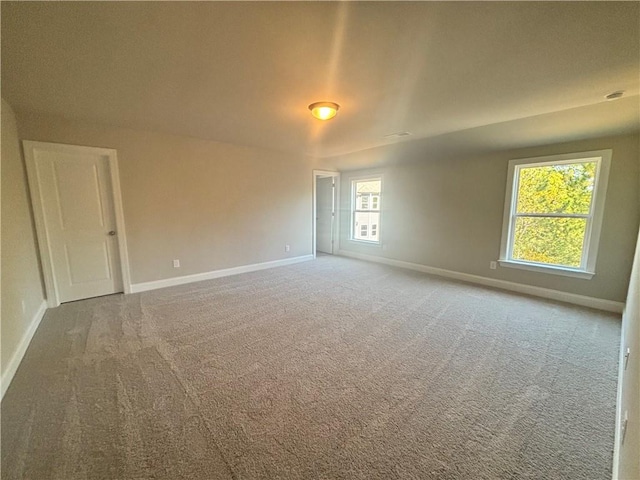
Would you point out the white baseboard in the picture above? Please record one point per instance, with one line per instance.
(598, 303)
(17, 356)
(619, 390)
(198, 277)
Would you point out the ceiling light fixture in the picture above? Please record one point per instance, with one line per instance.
(615, 95)
(324, 110)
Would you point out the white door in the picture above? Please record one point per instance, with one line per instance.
(77, 213)
(324, 214)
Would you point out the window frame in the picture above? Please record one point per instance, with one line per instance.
(353, 209)
(587, 269)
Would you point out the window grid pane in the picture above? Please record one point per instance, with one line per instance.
(549, 240)
(560, 188)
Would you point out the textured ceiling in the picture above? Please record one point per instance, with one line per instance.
(245, 72)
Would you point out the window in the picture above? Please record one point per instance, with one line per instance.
(553, 213)
(365, 209)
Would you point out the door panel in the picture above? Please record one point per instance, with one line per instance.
(87, 261)
(78, 191)
(324, 214)
(78, 214)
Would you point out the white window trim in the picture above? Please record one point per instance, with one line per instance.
(364, 178)
(594, 226)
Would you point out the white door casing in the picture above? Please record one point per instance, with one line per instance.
(76, 198)
(324, 214)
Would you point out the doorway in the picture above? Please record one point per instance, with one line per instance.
(325, 212)
(77, 208)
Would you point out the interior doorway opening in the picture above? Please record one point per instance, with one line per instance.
(325, 212)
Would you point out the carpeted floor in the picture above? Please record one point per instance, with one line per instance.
(331, 369)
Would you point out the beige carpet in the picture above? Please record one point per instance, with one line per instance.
(329, 369)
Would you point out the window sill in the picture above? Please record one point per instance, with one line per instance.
(567, 272)
(365, 242)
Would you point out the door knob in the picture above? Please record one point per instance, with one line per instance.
(112, 233)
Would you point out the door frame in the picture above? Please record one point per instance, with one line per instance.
(336, 220)
(30, 147)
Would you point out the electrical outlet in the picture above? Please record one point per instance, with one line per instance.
(627, 354)
(287, 248)
(493, 265)
(176, 263)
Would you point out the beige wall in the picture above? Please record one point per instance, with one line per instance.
(21, 284)
(210, 205)
(447, 213)
(628, 453)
